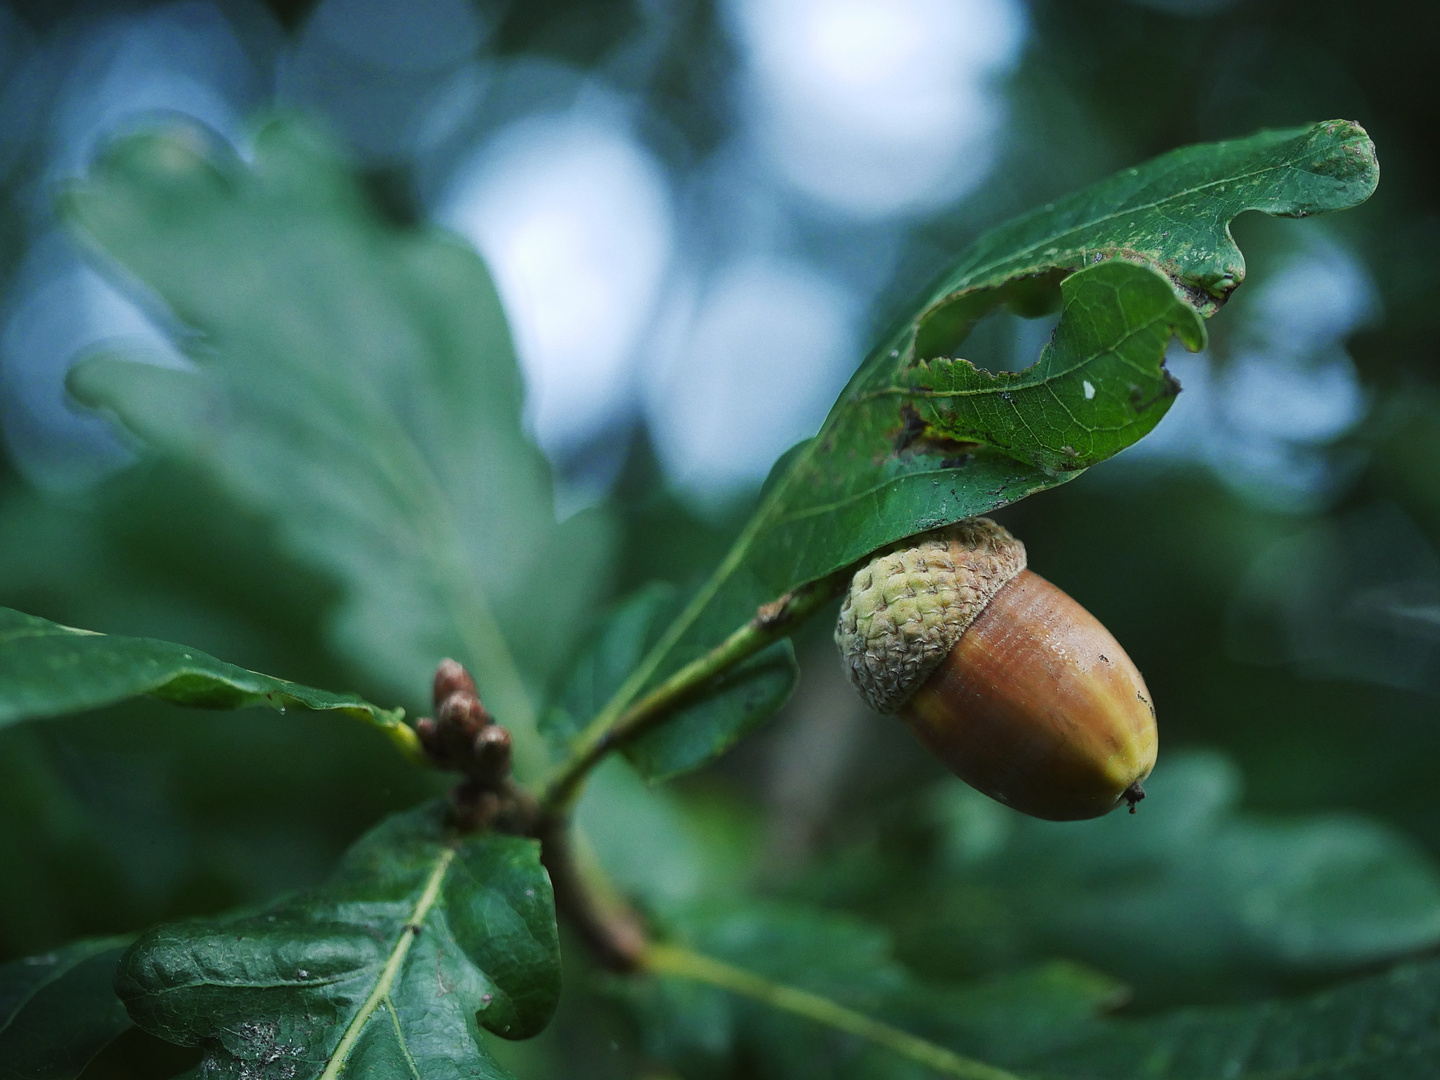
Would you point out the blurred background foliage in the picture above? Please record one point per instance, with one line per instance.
(697, 215)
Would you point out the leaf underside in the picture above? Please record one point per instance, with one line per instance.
(381, 971)
(355, 382)
(49, 670)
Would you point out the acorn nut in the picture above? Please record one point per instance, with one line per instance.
(1019, 690)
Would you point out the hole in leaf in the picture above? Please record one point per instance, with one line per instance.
(1000, 329)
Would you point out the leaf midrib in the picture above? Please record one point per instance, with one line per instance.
(980, 272)
(380, 993)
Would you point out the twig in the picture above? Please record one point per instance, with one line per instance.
(675, 960)
(618, 724)
(612, 931)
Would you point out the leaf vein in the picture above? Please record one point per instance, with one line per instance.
(381, 991)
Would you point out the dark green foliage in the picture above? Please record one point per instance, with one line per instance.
(383, 969)
(59, 1010)
(1039, 1022)
(890, 461)
(1184, 895)
(48, 670)
(1382, 1028)
(354, 388)
(723, 713)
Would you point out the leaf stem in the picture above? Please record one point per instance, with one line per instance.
(615, 726)
(675, 960)
(405, 739)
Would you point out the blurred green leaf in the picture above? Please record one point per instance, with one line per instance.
(1040, 1022)
(1383, 1028)
(719, 714)
(59, 1010)
(650, 843)
(724, 712)
(688, 1023)
(1185, 894)
(612, 652)
(697, 1025)
(49, 670)
(381, 970)
(356, 382)
(917, 439)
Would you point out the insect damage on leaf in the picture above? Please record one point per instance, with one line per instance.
(919, 439)
(1100, 381)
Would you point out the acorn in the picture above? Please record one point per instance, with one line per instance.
(1019, 690)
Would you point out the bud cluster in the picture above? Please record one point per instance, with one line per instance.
(463, 737)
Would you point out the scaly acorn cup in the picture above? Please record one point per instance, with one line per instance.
(1019, 690)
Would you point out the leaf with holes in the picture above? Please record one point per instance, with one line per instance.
(383, 970)
(920, 438)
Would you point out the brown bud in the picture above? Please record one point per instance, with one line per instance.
(1019, 690)
(451, 678)
(428, 733)
(491, 755)
(462, 712)
(474, 806)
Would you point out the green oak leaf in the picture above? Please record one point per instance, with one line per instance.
(383, 970)
(612, 652)
(722, 713)
(843, 973)
(49, 670)
(798, 992)
(1191, 898)
(1100, 383)
(58, 1010)
(717, 715)
(354, 381)
(1381, 1028)
(919, 439)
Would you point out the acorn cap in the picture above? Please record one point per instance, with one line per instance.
(907, 608)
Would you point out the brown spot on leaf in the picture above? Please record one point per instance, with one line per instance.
(912, 426)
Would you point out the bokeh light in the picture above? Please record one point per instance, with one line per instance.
(574, 217)
(872, 107)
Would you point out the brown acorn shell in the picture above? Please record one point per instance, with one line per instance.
(1038, 706)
